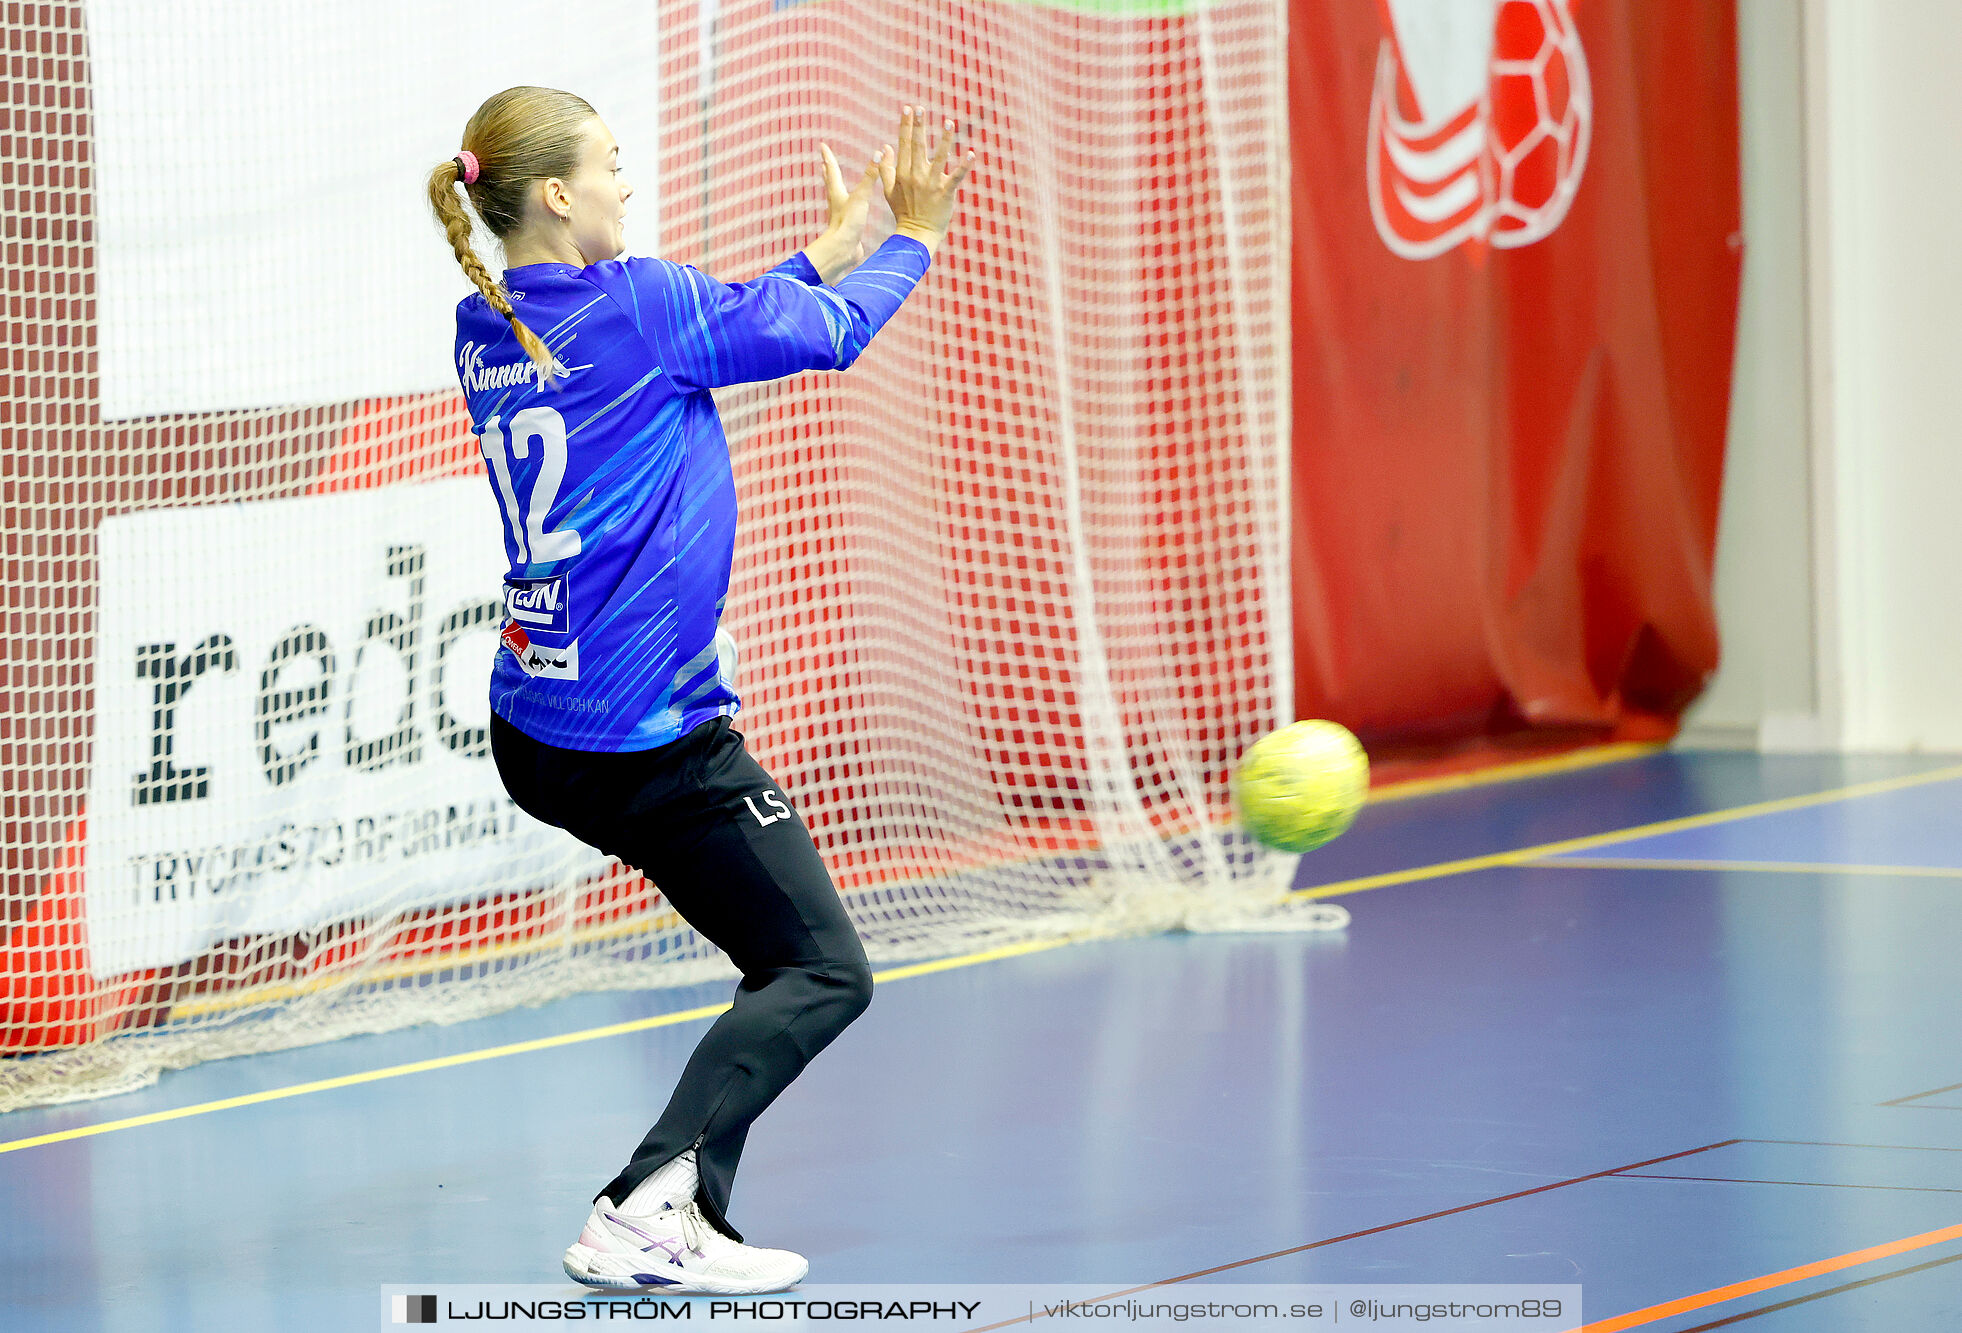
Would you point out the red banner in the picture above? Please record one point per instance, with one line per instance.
(1516, 257)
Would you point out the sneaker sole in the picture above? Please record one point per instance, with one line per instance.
(578, 1267)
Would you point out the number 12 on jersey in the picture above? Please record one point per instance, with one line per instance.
(527, 522)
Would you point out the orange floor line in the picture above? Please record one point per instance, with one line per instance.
(1718, 1295)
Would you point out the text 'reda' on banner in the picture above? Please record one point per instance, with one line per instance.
(284, 741)
(1516, 264)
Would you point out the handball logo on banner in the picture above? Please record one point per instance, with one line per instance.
(1478, 123)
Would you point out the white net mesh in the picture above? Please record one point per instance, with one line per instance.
(1011, 595)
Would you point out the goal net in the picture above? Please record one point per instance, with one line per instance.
(1010, 597)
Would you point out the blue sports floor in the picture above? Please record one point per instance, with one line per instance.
(1659, 1064)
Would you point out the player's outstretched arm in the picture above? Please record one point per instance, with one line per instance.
(918, 187)
(708, 334)
(777, 326)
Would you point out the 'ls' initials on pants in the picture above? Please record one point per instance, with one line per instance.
(774, 801)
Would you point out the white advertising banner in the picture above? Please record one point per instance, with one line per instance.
(263, 234)
(292, 721)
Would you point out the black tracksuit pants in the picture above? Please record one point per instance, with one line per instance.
(719, 839)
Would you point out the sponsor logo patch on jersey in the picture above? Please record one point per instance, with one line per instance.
(538, 604)
(537, 660)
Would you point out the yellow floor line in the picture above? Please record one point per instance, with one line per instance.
(498, 1052)
(1466, 865)
(1593, 756)
(1765, 867)
(199, 1004)
(1439, 871)
(205, 1004)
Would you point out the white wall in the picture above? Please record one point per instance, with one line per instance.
(1852, 636)
(1887, 197)
(1765, 688)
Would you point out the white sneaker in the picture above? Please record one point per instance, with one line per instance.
(677, 1249)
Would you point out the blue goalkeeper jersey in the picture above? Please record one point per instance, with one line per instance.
(614, 486)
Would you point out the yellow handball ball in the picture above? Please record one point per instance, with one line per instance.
(1300, 786)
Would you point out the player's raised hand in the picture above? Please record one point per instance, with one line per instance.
(919, 187)
(849, 207)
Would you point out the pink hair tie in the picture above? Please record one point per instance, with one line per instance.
(469, 160)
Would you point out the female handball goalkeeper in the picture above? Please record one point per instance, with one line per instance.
(587, 377)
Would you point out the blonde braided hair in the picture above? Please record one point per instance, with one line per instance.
(518, 136)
